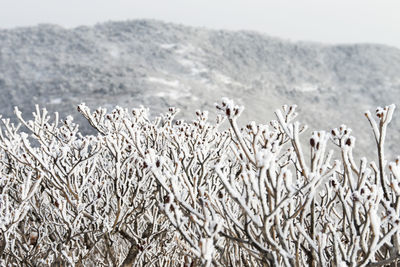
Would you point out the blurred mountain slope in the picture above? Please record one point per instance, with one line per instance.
(156, 64)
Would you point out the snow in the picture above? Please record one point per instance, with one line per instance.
(170, 94)
(175, 89)
(195, 67)
(226, 79)
(55, 101)
(168, 46)
(188, 56)
(170, 83)
(306, 87)
(188, 49)
(114, 52)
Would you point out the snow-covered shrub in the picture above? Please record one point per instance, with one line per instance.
(167, 192)
(84, 200)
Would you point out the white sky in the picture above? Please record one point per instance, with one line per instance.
(339, 21)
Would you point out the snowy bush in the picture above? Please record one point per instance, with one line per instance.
(167, 192)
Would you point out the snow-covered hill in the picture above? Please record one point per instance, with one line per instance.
(158, 64)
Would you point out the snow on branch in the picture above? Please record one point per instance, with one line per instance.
(168, 192)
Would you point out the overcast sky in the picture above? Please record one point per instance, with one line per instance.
(339, 21)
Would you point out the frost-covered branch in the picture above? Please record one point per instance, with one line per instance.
(168, 192)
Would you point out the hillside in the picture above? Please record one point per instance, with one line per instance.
(158, 64)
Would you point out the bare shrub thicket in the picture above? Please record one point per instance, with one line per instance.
(166, 192)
